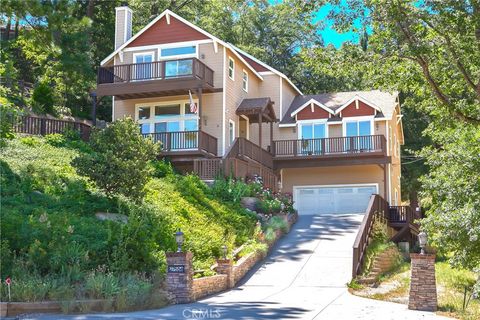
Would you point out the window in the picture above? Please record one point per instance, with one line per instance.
(166, 117)
(311, 134)
(245, 81)
(231, 68)
(143, 113)
(177, 68)
(312, 130)
(142, 69)
(178, 51)
(167, 111)
(358, 128)
(231, 131)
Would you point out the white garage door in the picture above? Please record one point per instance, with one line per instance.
(331, 199)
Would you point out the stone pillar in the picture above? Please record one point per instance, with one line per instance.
(423, 289)
(180, 276)
(225, 266)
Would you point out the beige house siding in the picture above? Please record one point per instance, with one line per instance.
(235, 93)
(288, 94)
(332, 176)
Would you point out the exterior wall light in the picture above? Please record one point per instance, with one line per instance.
(224, 250)
(422, 240)
(179, 240)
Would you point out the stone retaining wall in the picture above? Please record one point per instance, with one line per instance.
(209, 285)
(12, 309)
(245, 264)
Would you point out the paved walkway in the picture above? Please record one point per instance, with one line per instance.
(303, 278)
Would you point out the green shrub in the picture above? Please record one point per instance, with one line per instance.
(268, 206)
(229, 189)
(8, 112)
(162, 168)
(119, 159)
(100, 284)
(42, 99)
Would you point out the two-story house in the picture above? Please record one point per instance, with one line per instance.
(218, 109)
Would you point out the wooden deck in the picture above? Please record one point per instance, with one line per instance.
(185, 143)
(139, 80)
(336, 151)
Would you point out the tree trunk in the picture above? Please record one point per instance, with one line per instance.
(7, 28)
(90, 9)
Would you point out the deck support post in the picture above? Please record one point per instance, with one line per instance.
(200, 108)
(93, 95)
(260, 129)
(271, 136)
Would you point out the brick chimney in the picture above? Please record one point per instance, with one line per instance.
(123, 25)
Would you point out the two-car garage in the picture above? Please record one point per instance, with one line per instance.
(333, 199)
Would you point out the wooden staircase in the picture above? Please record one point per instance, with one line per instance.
(400, 218)
(243, 160)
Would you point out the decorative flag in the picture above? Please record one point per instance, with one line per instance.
(193, 105)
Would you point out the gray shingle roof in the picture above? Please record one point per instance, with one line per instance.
(384, 100)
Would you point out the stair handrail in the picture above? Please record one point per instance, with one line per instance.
(376, 209)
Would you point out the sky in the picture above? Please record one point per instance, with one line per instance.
(330, 36)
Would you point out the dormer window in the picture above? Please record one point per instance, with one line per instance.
(231, 68)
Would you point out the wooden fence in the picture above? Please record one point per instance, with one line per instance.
(43, 126)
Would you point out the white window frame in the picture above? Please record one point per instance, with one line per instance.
(231, 68)
(245, 80)
(134, 58)
(231, 137)
(146, 53)
(181, 118)
(178, 56)
(358, 119)
(311, 122)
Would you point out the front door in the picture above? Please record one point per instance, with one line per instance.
(243, 128)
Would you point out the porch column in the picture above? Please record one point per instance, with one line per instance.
(200, 108)
(271, 136)
(385, 186)
(260, 129)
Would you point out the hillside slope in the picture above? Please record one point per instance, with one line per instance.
(48, 223)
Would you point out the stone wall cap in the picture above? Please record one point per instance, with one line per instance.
(427, 256)
(178, 254)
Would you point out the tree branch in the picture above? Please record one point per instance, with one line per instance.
(454, 54)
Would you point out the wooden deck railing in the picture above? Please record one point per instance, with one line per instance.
(43, 126)
(244, 160)
(185, 140)
(210, 169)
(329, 146)
(156, 70)
(242, 147)
(400, 214)
(377, 209)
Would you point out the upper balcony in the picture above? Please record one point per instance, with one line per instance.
(370, 149)
(158, 78)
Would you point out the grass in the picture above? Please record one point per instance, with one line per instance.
(450, 289)
(452, 284)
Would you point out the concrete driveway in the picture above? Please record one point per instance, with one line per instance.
(304, 277)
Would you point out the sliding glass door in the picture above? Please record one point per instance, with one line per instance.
(310, 138)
